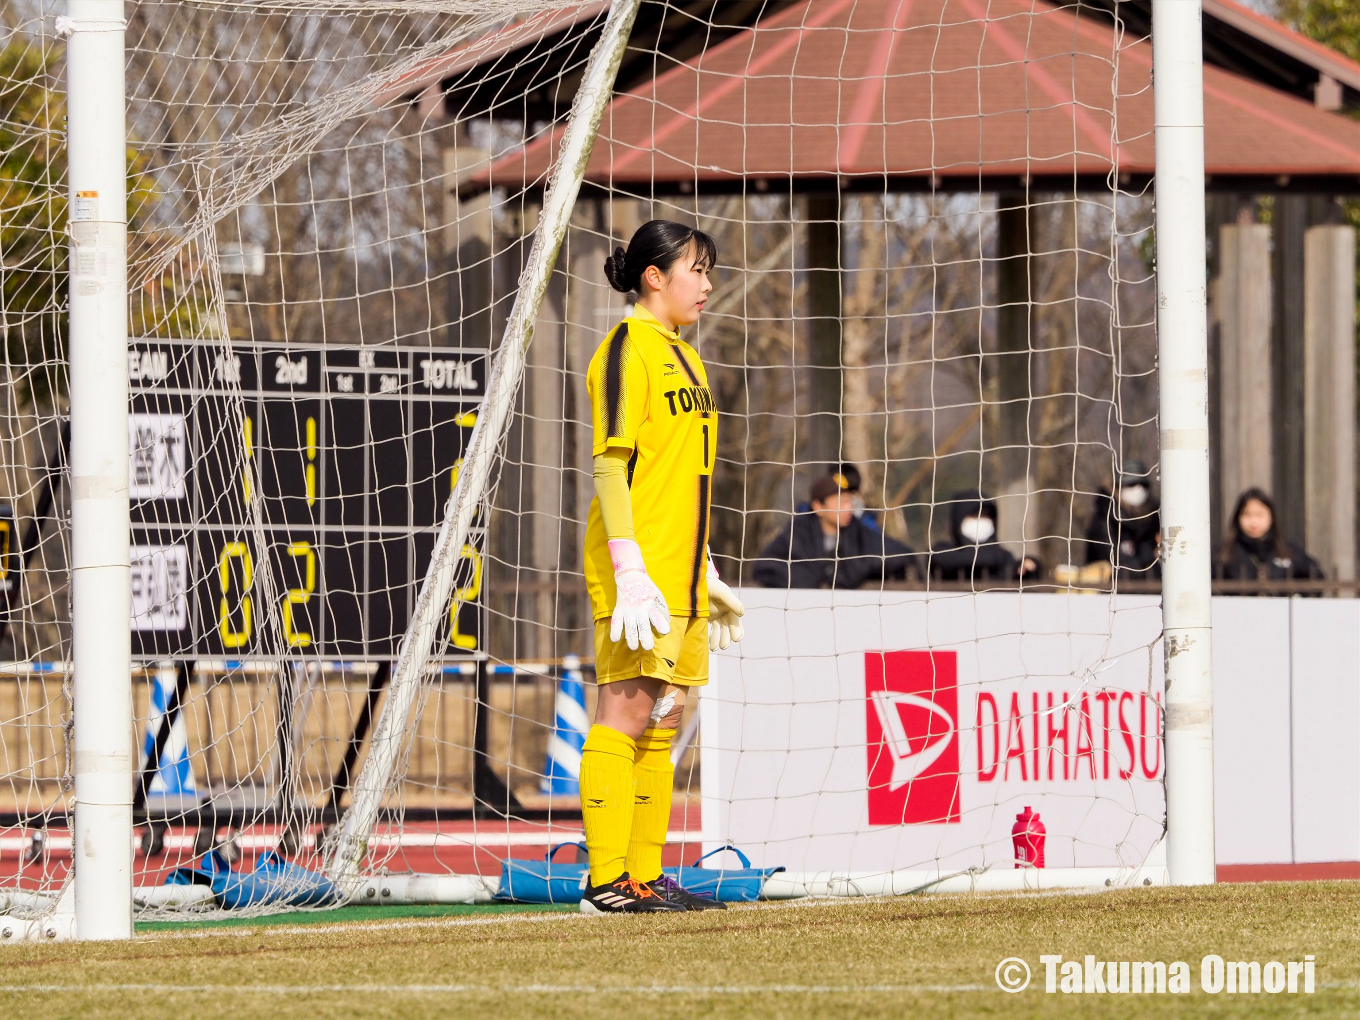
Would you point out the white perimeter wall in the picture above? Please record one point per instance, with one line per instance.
(791, 736)
(1287, 730)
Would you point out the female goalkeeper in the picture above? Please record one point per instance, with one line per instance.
(656, 599)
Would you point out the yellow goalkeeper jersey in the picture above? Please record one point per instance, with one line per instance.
(649, 395)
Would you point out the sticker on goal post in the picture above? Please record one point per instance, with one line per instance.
(911, 708)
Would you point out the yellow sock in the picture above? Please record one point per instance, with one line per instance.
(653, 781)
(607, 800)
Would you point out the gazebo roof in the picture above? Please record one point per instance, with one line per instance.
(530, 69)
(936, 93)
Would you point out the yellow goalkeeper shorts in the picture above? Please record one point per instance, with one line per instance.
(680, 657)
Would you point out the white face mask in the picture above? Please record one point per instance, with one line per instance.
(1133, 495)
(858, 505)
(977, 529)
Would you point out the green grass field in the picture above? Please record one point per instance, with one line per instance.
(905, 957)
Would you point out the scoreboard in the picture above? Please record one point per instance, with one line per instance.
(349, 454)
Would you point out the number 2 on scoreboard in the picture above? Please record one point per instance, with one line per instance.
(462, 596)
(299, 596)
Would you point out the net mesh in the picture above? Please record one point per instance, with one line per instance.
(933, 223)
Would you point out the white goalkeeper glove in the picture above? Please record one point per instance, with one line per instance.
(724, 611)
(639, 605)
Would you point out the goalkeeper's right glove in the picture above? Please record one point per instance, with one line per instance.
(638, 605)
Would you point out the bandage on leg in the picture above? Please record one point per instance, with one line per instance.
(662, 708)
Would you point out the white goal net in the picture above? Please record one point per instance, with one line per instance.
(935, 283)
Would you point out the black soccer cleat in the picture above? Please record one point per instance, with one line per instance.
(625, 896)
(673, 892)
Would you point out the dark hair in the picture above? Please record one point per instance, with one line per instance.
(1275, 534)
(660, 243)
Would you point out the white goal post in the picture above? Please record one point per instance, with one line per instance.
(1183, 372)
(100, 584)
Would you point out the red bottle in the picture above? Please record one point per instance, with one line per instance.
(1028, 834)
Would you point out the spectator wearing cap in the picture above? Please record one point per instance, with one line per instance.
(828, 545)
(972, 553)
(1126, 524)
(853, 484)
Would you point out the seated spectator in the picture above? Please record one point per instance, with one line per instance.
(828, 545)
(1256, 551)
(1126, 531)
(973, 554)
(853, 483)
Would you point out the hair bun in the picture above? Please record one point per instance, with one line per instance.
(659, 243)
(615, 272)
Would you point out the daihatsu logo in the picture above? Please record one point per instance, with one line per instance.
(908, 764)
(911, 703)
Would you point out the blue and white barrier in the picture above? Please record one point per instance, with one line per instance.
(562, 771)
(174, 776)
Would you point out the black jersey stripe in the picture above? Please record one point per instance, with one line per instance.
(700, 545)
(613, 383)
(703, 398)
(685, 365)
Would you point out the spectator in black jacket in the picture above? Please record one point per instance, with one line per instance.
(1256, 551)
(1125, 527)
(973, 554)
(853, 481)
(829, 545)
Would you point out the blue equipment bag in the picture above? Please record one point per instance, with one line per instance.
(545, 881)
(274, 880)
(735, 885)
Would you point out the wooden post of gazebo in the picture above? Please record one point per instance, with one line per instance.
(1007, 432)
(1329, 397)
(467, 248)
(823, 211)
(1241, 299)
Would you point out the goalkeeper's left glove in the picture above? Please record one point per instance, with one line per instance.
(724, 611)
